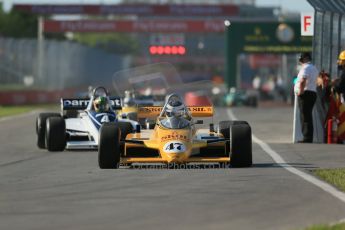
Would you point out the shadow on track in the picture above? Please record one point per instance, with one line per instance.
(275, 165)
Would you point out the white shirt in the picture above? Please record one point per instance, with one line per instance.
(310, 73)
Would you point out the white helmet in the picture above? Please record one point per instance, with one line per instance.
(175, 109)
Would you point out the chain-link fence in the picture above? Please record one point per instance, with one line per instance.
(329, 36)
(60, 65)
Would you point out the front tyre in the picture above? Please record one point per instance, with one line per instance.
(241, 145)
(41, 128)
(55, 134)
(109, 146)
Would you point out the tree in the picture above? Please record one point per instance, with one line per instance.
(18, 24)
(111, 42)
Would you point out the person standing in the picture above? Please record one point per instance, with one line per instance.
(340, 86)
(305, 89)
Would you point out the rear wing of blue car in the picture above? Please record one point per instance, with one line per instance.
(81, 104)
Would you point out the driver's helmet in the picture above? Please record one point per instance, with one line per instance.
(175, 109)
(341, 58)
(100, 104)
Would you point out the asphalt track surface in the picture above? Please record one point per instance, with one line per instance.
(67, 190)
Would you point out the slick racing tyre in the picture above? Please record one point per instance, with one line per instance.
(109, 146)
(55, 134)
(41, 128)
(241, 145)
(125, 129)
(224, 128)
(132, 116)
(254, 102)
(71, 114)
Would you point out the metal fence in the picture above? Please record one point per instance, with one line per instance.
(328, 42)
(329, 36)
(63, 64)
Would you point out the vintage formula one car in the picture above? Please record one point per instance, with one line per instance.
(176, 139)
(80, 130)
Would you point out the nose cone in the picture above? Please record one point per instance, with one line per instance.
(175, 151)
(177, 157)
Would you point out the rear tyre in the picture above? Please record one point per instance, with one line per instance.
(55, 134)
(224, 127)
(241, 145)
(109, 146)
(132, 116)
(254, 102)
(41, 128)
(126, 128)
(71, 113)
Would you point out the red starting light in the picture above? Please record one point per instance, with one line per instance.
(160, 50)
(167, 50)
(153, 50)
(181, 50)
(174, 50)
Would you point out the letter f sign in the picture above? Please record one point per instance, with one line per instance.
(307, 24)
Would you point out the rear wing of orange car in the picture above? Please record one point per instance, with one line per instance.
(154, 111)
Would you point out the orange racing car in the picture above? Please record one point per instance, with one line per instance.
(175, 139)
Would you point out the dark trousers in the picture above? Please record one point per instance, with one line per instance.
(306, 103)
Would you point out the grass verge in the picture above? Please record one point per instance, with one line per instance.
(327, 227)
(15, 110)
(335, 177)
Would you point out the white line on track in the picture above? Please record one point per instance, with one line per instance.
(23, 115)
(282, 163)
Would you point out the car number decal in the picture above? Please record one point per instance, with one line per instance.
(105, 118)
(174, 147)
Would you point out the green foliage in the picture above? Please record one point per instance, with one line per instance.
(335, 177)
(9, 111)
(327, 227)
(18, 24)
(6, 111)
(110, 42)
